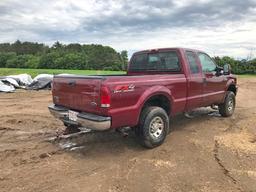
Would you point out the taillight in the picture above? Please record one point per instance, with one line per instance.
(104, 97)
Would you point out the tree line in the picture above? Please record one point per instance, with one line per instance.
(83, 56)
(244, 66)
(60, 56)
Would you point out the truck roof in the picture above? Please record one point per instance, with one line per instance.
(166, 49)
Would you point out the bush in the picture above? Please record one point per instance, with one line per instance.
(238, 66)
(32, 62)
(18, 61)
(4, 57)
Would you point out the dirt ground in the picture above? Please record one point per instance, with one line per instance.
(206, 153)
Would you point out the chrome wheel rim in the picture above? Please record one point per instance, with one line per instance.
(230, 105)
(156, 127)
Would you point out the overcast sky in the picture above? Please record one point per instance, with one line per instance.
(220, 27)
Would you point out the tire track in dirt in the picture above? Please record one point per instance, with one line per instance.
(226, 172)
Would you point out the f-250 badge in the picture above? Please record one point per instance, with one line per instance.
(124, 88)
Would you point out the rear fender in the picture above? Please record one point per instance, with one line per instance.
(151, 92)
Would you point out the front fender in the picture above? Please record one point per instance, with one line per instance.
(229, 83)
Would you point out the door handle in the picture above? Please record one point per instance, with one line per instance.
(72, 83)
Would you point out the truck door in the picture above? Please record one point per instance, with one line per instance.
(214, 84)
(195, 82)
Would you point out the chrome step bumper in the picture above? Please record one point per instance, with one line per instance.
(87, 120)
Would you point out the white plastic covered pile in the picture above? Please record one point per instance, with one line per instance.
(12, 82)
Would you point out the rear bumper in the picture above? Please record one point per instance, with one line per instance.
(88, 120)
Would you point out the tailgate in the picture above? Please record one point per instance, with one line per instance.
(81, 93)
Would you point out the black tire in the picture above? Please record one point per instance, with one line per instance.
(227, 108)
(153, 127)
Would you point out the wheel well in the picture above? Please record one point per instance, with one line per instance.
(232, 88)
(159, 101)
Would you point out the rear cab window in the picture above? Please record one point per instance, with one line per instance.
(166, 61)
(192, 61)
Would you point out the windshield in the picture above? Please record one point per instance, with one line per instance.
(162, 61)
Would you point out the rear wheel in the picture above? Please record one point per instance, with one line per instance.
(227, 108)
(153, 127)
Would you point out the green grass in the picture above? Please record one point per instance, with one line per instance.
(35, 72)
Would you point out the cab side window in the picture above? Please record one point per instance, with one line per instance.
(207, 63)
(191, 57)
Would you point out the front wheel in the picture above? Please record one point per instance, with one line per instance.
(153, 127)
(227, 108)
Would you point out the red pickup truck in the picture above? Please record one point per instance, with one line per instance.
(159, 84)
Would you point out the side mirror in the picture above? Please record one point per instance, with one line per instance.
(227, 69)
(219, 71)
